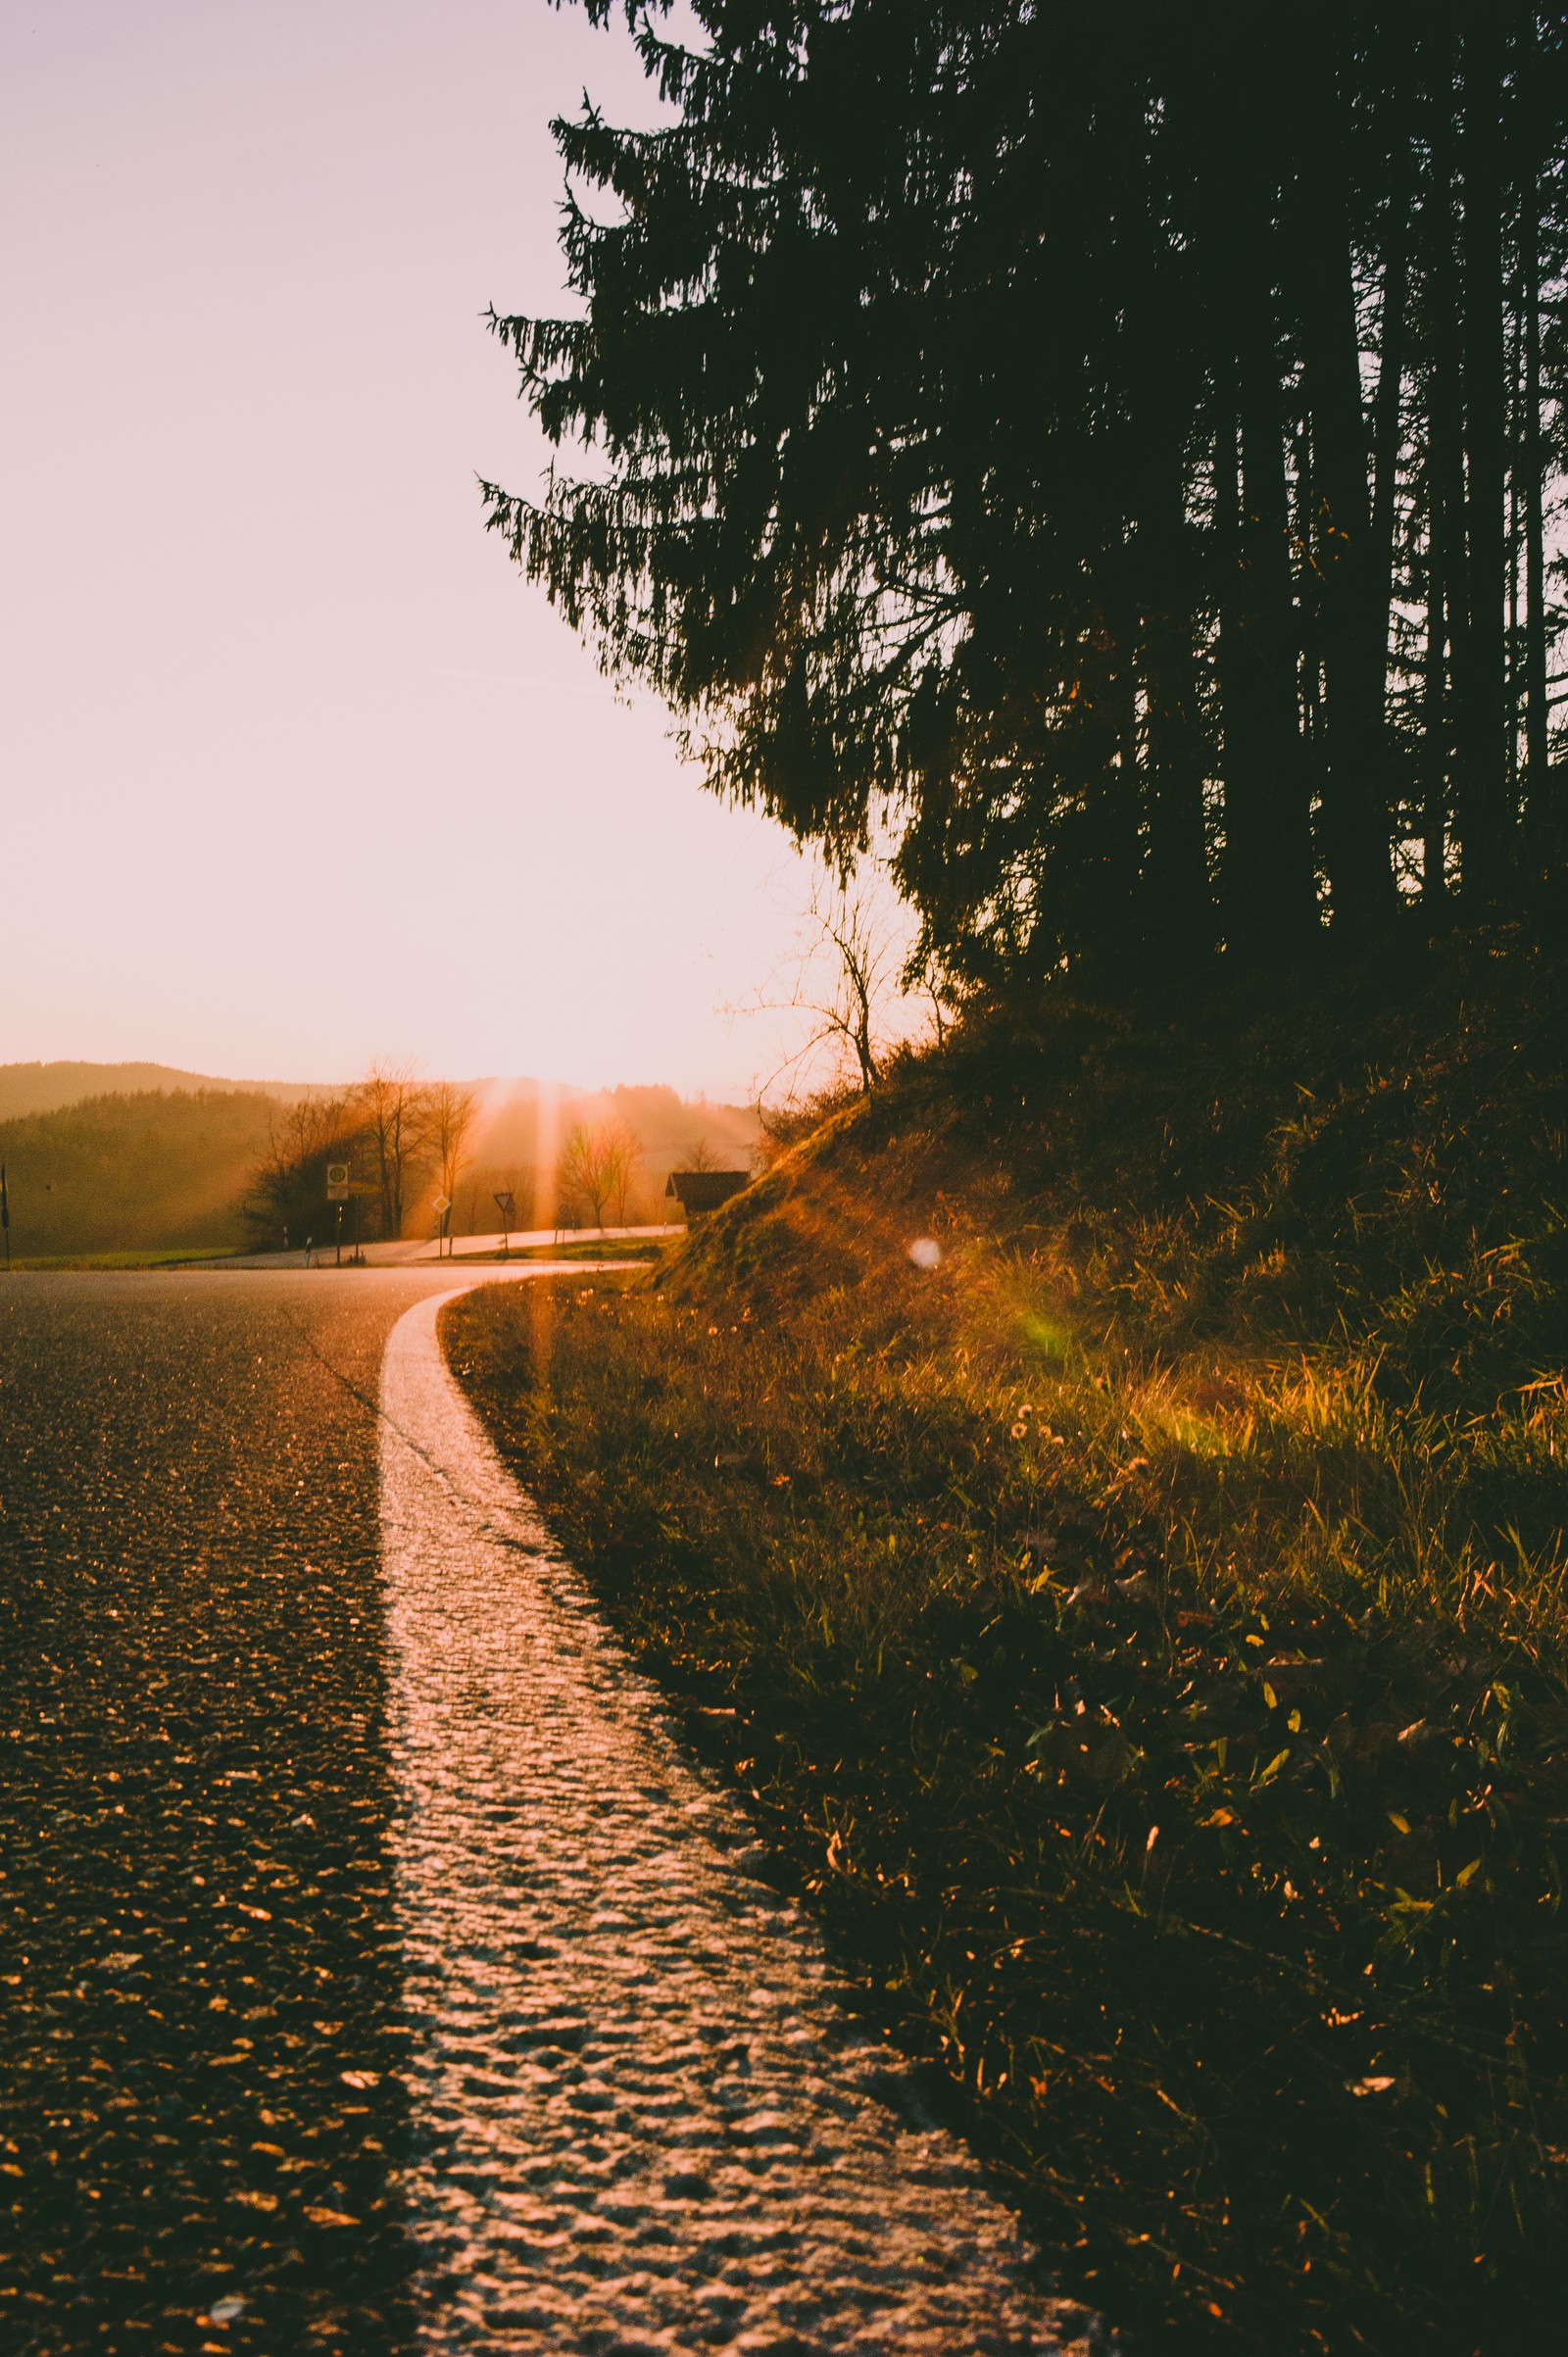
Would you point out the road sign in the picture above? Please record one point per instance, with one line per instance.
(505, 1205)
(337, 1183)
(442, 1202)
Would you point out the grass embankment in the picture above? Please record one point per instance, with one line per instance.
(177, 1257)
(1144, 1634)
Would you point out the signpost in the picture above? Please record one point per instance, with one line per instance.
(339, 1191)
(443, 1205)
(505, 1205)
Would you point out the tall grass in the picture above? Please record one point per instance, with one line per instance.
(1142, 1636)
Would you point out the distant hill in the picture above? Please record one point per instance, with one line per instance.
(45, 1088)
(132, 1173)
(165, 1159)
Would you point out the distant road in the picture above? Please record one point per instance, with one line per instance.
(413, 1255)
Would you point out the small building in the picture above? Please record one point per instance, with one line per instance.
(699, 1191)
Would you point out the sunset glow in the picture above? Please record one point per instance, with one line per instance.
(279, 715)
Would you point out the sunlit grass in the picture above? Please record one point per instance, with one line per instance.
(1144, 1641)
(171, 1258)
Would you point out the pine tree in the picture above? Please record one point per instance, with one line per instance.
(1084, 442)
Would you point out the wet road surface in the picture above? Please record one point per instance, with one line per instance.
(376, 1975)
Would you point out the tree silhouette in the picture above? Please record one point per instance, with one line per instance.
(1119, 450)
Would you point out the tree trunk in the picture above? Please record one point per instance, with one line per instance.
(1178, 904)
(1270, 890)
(1434, 713)
(1514, 671)
(1531, 456)
(1179, 899)
(1173, 915)
(1181, 912)
(1449, 597)
(1388, 417)
(1543, 814)
(1354, 827)
(1485, 828)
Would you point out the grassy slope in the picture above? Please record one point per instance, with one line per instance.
(1144, 1635)
(134, 1173)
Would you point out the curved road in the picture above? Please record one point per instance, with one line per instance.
(374, 1975)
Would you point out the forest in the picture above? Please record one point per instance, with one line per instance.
(1112, 458)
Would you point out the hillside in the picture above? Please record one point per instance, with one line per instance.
(132, 1173)
(1140, 1635)
(45, 1088)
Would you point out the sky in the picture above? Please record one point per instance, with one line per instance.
(298, 770)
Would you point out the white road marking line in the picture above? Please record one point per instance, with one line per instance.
(642, 2121)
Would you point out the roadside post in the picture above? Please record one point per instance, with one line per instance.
(443, 1205)
(5, 1216)
(505, 1205)
(338, 1192)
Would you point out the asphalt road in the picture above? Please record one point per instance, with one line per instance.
(376, 1974)
(198, 1959)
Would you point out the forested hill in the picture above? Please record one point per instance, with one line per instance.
(45, 1088)
(133, 1172)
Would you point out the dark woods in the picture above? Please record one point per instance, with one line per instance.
(1120, 446)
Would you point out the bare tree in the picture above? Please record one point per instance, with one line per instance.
(626, 1150)
(450, 1113)
(925, 976)
(288, 1184)
(392, 1105)
(596, 1164)
(850, 975)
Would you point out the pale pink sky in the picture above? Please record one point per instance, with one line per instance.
(297, 769)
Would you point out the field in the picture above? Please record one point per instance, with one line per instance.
(1142, 1632)
(187, 1257)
